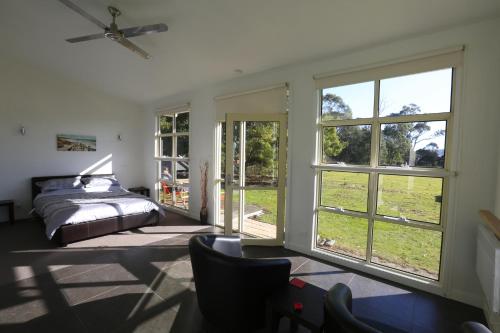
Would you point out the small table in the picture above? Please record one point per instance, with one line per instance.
(140, 190)
(312, 315)
(10, 206)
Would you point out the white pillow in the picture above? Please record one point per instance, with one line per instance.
(60, 184)
(96, 181)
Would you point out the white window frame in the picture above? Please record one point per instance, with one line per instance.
(447, 173)
(173, 112)
(218, 174)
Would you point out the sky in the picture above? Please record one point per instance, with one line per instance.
(431, 91)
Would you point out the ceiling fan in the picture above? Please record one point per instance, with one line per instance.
(112, 32)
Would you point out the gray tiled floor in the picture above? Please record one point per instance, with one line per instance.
(141, 281)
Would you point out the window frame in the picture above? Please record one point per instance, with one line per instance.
(158, 157)
(374, 170)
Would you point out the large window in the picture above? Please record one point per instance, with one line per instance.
(172, 158)
(383, 169)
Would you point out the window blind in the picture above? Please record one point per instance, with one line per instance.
(267, 100)
(420, 63)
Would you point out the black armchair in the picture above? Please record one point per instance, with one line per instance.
(338, 312)
(231, 290)
(473, 327)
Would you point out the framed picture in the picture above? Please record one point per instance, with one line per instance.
(71, 142)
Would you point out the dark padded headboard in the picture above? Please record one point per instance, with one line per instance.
(35, 190)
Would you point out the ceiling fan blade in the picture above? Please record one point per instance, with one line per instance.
(83, 13)
(85, 38)
(144, 30)
(132, 47)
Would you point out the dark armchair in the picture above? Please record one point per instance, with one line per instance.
(338, 312)
(474, 327)
(231, 290)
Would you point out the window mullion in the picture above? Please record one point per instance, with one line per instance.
(174, 162)
(373, 180)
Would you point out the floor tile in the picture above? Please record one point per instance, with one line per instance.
(84, 286)
(117, 308)
(436, 312)
(322, 275)
(174, 281)
(385, 298)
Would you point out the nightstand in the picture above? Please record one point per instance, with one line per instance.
(140, 190)
(10, 206)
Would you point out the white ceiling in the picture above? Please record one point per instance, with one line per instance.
(208, 39)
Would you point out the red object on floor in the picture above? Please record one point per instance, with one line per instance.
(297, 306)
(297, 283)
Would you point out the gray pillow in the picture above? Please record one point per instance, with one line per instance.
(96, 181)
(60, 184)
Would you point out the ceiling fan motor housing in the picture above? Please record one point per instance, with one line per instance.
(112, 32)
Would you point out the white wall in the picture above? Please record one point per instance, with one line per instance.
(497, 203)
(47, 105)
(476, 155)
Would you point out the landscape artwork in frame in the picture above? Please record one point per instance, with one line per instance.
(71, 142)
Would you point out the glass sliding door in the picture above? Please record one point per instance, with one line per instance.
(254, 184)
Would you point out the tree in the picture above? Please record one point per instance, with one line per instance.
(358, 142)
(348, 144)
(261, 147)
(428, 156)
(332, 146)
(333, 107)
(401, 139)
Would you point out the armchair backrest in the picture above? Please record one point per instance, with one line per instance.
(232, 290)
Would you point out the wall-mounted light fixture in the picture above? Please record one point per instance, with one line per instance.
(22, 130)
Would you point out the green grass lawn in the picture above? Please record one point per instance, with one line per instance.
(402, 247)
(266, 199)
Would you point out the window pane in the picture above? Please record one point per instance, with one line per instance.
(236, 150)
(428, 92)
(182, 122)
(181, 196)
(347, 144)
(166, 124)
(262, 205)
(261, 153)
(409, 249)
(183, 146)
(166, 146)
(166, 172)
(347, 190)
(182, 172)
(261, 208)
(342, 234)
(223, 151)
(236, 211)
(414, 198)
(165, 193)
(348, 102)
(419, 144)
(221, 203)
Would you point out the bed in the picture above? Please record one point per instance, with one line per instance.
(74, 214)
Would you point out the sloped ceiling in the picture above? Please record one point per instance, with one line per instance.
(208, 39)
